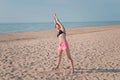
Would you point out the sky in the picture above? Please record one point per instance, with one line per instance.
(18, 11)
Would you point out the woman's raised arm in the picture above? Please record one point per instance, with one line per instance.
(56, 20)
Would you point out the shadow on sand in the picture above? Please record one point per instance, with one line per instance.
(97, 70)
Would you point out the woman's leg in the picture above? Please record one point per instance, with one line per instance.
(59, 58)
(69, 57)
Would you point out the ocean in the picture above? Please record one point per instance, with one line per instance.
(32, 27)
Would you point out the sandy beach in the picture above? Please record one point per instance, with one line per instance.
(32, 55)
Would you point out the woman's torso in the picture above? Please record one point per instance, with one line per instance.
(62, 37)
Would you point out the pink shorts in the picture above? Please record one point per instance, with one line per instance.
(63, 45)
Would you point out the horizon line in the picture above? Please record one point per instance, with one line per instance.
(61, 21)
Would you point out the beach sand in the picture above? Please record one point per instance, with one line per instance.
(31, 56)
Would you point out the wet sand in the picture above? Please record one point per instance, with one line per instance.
(31, 56)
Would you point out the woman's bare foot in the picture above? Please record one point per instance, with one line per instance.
(56, 68)
(73, 71)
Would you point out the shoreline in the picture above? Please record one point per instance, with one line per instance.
(52, 33)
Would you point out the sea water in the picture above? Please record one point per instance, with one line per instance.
(32, 27)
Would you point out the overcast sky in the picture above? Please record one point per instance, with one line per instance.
(67, 10)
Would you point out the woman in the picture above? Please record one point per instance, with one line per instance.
(63, 44)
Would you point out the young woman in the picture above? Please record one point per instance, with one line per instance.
(63, 44)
